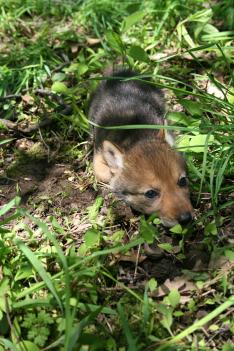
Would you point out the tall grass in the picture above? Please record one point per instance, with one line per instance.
(57, 295)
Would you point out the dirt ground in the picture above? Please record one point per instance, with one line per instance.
(65, 191)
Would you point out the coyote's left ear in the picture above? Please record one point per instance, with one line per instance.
(166, 135)
(113, 156)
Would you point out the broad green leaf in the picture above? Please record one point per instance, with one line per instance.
(152, 284)
(82, 249)
(117, 236)
(179, 117)
(193, 107)
(229, 254)
(82, 69)
(59, 87)
(183, 142)
(211, 228)
(137, 53)
(115, 41)
(156, 221)
(167, 320)
(147, 231)
(174, 297)
(72, 68)
(58, 77)
(92, 238)
(79, 68)
(132, 19)
(177, 229)
(198, 142)
(166, 246)
(25, 271)
(214, 327)
(194, 143)
(94, 209)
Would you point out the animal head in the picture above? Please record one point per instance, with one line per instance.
(150, 177)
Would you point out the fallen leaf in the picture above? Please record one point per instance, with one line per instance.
(214, 90)
(28, 99)
(182, 284)
(93, 41)
(74, 48)
(132, 258)
(24, 144)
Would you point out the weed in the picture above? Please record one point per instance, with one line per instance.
(78, 270)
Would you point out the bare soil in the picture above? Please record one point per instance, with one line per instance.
(65, 191)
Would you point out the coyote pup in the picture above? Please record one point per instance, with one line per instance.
(140, 165)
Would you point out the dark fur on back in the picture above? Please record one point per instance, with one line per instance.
(119, 101)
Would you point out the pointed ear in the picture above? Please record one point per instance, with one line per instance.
(166, 135)
(112, 155)
(161, 134)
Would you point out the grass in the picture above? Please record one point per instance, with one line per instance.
(75, 274)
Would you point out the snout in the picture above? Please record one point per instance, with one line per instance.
(185, 218)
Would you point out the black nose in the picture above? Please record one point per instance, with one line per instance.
(185, 218)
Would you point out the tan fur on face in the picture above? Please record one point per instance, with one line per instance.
(157, 166)
(149, 165)
(101, 169)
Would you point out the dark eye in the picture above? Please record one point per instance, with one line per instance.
(151, 194)
(182, 182)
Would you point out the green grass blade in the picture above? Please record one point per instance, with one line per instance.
(40, 269)
(132, 343)
(8, 344)
(199, 324)
(13, 203)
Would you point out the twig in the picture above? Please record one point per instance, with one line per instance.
(11, 325)
(8, 124)
(14, 126)
(58, 68)
(44, 92)
(46, 145)
(137, 260)
(10, 96)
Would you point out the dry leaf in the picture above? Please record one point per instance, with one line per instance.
(214, 90)
(93, 41)
(28, 99)
(182, 284)
(132, 258)
(24, 144)
(74, 48)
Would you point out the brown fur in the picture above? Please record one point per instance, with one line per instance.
(134, 162)
(143, 170)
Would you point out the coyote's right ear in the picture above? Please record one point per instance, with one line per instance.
(166, 135)
(113, 156)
